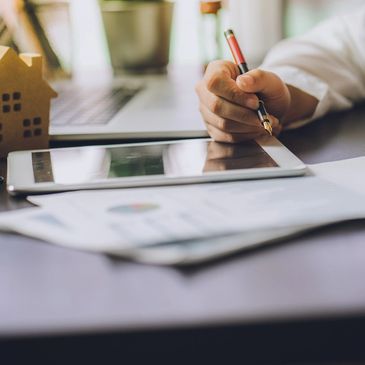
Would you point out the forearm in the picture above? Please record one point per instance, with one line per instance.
(324, 68)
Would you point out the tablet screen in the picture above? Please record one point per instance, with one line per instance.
(182, 159)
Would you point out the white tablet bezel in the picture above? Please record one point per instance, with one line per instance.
(20, 177)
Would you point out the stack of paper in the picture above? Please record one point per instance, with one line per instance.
(188, 224)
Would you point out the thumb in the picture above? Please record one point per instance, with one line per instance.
(265, 83)
(269, 87)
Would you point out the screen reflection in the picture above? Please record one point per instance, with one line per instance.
(182, 159)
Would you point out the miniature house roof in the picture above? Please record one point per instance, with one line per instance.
(32, 61)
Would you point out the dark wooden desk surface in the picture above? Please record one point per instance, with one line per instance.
(302, 300)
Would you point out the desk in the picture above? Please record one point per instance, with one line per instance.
(301, 300)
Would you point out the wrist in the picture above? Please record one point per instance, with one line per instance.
(301, 106)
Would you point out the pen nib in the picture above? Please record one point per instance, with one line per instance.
(268, 127)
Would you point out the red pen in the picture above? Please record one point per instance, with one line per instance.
(240, 61)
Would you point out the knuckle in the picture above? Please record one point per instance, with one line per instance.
(223, 124)
(213, 82)
(216, 105)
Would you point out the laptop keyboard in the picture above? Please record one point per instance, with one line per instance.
(88, 106)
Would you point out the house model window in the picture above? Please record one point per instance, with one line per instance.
(32, 127)
(24, 102)
(12, 102)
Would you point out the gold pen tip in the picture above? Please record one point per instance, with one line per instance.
(268, 127)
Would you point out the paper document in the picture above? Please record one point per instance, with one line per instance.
(194, 222)
(349, 174)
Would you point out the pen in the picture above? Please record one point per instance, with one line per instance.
(242, 66)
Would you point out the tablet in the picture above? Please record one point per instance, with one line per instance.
(148, 164)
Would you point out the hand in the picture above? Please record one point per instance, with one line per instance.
(228, 101)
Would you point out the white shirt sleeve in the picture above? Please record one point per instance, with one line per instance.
(328, 63)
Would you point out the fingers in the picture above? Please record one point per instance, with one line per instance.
(229, 105)
(219, 80)
(227, 110)
(233, 132)
(250, 125)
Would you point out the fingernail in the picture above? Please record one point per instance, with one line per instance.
(246, 80)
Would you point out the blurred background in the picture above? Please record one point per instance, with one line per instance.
(82, 36)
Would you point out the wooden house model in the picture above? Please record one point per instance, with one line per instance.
(25, 99)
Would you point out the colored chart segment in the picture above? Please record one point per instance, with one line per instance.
(135, 208)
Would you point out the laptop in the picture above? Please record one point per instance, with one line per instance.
(151, 107)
